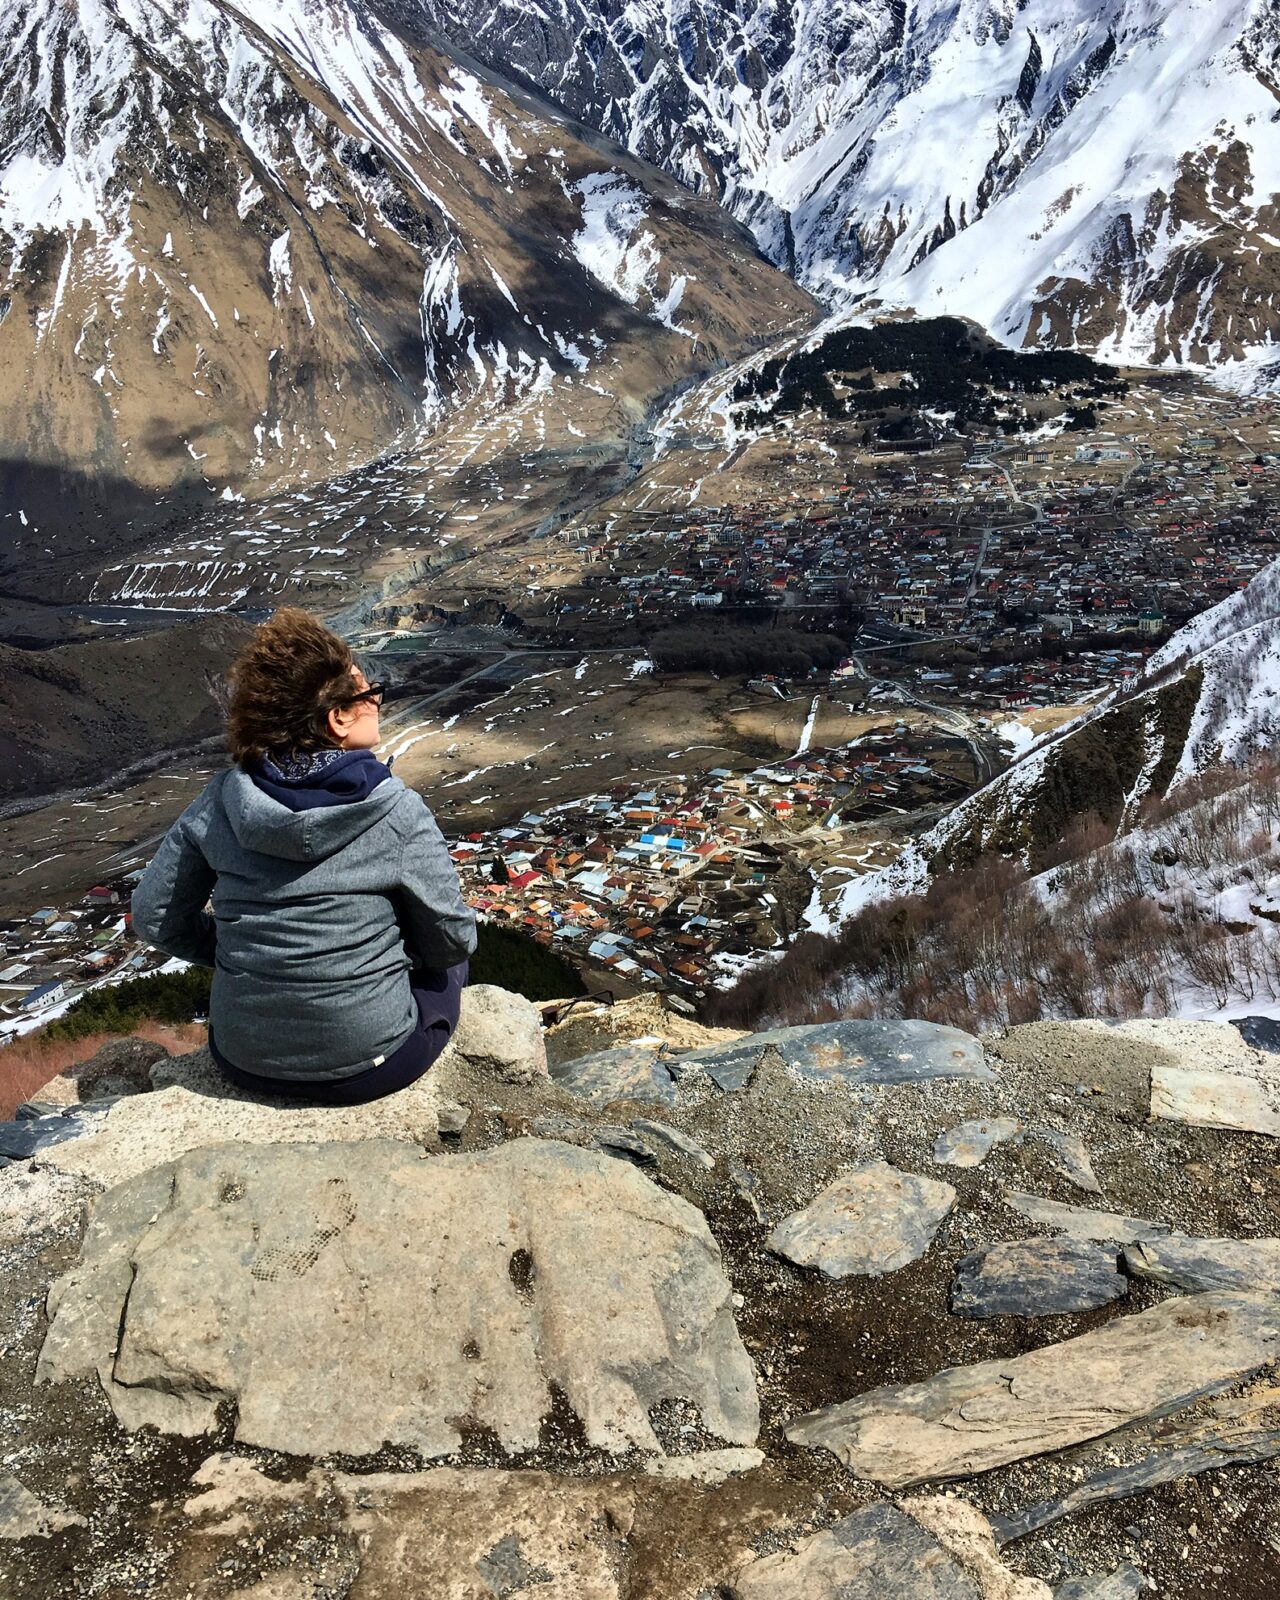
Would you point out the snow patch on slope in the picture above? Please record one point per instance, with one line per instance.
(618, 251)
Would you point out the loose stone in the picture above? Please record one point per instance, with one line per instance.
(1125, 1583)
(1036, 1278)
(968, 1419)
(629, 1072)
(871, 1220)
(664, 1134)
(24, 1515)
(927, 1550)
(969, 1143)
(1196, 1265)
(853, 1052)
(1079, 1222)
(1071, 1158)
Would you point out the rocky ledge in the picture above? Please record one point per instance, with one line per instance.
(619, 1308)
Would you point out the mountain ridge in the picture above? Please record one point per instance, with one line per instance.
(245, 246)
(1124, 154)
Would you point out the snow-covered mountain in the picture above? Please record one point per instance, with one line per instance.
(240, 243)
(1100, 173)
(1210, 696)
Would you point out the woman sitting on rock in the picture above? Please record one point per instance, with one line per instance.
(338, 935)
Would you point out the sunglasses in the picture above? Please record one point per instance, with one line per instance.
(377, 692)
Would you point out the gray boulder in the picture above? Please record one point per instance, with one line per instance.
(498, 1032)
(1036, 1278)
(966, 1420)
(121, 1066)
(350, 1295)
(858, 1051)
(871, 1220)
(629, 1072)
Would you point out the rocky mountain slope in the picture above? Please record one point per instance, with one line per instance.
(1126, 865)
(1210, 695)
(247, 245)
(83, 711)
(857, 1310)
(1099, 175)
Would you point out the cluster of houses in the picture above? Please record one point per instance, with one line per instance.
(989, 547)
(672, 885)
(669, 885)
(50, 956)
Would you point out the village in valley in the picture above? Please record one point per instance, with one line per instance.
(966, 596)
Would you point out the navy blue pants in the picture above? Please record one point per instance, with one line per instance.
(438, 997)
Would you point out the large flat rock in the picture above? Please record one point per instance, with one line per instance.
(871, 1220)
(446, 1533)
(969, 1419)
(1197, 1265)
(1037, 1278)
(1208, 1076)
(346, 1296)
(927, 1549)
(193, 1106)
(858, 1051)
(1082, 1222)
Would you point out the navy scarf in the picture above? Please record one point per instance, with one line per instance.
(305, 779)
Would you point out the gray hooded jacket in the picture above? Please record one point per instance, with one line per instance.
(318, 916)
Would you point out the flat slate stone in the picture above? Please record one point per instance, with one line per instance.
(29, 1110)
(1197, 1265)
(858, 1051)
(1079, 1222)
(1125, 1583)
(1215, 1100)
(346, 1296)
(24, 1516)
(1036, 1278)
(629, 1072)
(1241, 1094)
(31, 1136)
(1263, 1033)
(1069, 1155)
(1241, 1431)
(969, 1143)
(871, 1220)
(966, 1420)
(622, 1143)
(878, 1553)
(669, 1138)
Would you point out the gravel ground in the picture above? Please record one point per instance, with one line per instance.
(814, 1341)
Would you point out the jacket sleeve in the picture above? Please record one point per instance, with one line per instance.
(438, 927)
(169, 902)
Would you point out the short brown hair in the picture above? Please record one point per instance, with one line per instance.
(284, 684)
